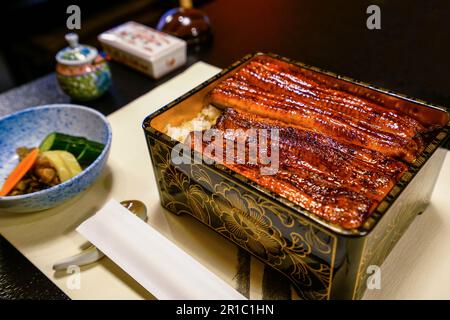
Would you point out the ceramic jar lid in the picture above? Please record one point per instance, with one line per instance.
(76, 54)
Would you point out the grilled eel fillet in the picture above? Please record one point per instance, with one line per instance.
(339, 182)
(271, 88)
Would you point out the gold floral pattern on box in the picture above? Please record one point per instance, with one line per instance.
(290, 244)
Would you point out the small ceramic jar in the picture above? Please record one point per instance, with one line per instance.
(81, 71)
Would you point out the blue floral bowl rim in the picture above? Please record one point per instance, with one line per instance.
(78, 176)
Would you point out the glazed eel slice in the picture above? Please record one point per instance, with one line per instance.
(358, 169)
(322, 87)
(337, 205)
(299, 140)
(329, 102)
(258, 90)
(339, 182)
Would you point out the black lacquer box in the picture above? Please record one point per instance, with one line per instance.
(322, 260)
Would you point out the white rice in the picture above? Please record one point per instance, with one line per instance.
(204, 120)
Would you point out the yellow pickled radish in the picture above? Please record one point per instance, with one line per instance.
(70, 162)
(64, 162)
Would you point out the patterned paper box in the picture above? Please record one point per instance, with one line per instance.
(145, 49)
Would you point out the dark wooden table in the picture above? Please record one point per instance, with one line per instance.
(410, 54)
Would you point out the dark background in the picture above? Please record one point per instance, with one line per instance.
(32, 31)
(410, 54)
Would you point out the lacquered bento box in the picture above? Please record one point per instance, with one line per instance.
(322, 260)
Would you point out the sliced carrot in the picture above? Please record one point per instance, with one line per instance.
(19, 172)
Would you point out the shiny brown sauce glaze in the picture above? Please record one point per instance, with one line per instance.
(281, 91)
(339, 154)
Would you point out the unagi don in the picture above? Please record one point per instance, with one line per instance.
(339, 153)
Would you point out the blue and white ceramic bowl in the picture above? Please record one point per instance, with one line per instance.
(28, 128)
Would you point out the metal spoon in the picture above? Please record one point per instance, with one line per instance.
(91, 254)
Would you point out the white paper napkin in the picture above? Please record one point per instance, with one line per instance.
(151, 259)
